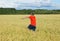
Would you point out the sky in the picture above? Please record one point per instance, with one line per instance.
(30, 4)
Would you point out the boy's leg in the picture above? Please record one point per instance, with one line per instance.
(29, 27)
(34, 28)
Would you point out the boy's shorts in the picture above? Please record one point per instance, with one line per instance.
(31, 27)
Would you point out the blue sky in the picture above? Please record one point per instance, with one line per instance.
(30, 4)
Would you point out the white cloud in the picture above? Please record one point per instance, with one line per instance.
(26, 1)
(33, 3)
(46, 1)
(13, 3)
(56, 6)
(8, 3)
(22, 4)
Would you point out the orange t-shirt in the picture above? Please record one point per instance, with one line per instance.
(32, 20)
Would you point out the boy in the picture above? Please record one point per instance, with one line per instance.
(32, 25)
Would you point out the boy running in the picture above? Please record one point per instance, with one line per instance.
(32, 25)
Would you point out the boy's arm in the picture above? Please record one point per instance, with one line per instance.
(25, 17)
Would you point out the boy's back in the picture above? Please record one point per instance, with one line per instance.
(32, 20)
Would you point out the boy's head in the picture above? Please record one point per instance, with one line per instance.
(32, 13)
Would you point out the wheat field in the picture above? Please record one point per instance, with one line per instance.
(13, 28)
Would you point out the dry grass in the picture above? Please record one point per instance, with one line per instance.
(13, 28)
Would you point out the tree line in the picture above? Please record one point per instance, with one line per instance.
(27, 11)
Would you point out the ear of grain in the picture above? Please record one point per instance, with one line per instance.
(13, 28)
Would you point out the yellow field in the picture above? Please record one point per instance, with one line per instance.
(13, 28)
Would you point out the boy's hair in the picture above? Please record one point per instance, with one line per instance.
(32, 13)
